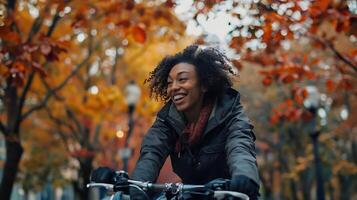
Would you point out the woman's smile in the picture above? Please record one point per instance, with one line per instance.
(178, 98)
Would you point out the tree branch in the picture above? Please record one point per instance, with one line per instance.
(23, 97)
(60, 123)
(71, 115)
(35, 27)
(96, 135)
(113, 77)
(25, 90)
(341, 57)
(55, 19)
(54, 90)
(48, 87)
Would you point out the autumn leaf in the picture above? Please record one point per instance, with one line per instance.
(237, 64)
(345, 83)
(10, 36)
(139, 34)
(236, 42)
(124, 23)
(170, 3)
(4, 71)
(287, 78)
(274, 119)
(267, 33)
(18, 67)
(267, 81)
(330, 85)
(318, 7)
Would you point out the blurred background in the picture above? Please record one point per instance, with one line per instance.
(72, 93)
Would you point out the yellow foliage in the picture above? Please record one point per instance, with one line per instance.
(344, 167)
(26, 20)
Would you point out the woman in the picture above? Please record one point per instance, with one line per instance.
(202, 126)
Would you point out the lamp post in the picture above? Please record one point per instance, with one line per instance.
(313, 103)
(132, 96)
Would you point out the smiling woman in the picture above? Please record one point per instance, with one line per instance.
(184, 90)
(202, 126)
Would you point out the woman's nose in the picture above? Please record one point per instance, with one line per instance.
(174, 86)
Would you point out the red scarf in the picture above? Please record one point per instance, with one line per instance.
(193, 131)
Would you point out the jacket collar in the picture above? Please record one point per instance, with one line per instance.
(221, 110)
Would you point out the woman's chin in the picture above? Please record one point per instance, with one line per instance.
(181, 108)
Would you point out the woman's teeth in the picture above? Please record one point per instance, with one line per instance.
(178, 97)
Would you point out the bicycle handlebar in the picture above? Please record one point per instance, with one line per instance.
(173, 188)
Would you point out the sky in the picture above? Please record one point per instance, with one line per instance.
(217, 26)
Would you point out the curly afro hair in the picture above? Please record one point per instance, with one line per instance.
(212, 66)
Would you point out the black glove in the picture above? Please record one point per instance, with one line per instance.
(103, 175)
(121, 182)
(219, 183)
(245, 185)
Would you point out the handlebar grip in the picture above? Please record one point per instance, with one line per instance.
(157, 187)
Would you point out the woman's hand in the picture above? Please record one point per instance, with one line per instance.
(245, 185)
(103, 175)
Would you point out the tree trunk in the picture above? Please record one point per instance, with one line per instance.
(14, 152)
(306, 184)
(84, 175)
(346, 190)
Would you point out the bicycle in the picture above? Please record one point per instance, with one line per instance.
(172, 191)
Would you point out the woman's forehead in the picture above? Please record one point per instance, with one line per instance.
(182, 68)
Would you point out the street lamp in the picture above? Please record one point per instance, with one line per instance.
(313, 104)
(132, 96)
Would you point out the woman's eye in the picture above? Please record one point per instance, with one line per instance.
(182, 79)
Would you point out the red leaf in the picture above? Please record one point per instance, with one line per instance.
(18, 67)
(170, 3)
(267, 33)
(10, 36)
(287, 78)
(299, 98)
(345, 84)
(139, 34)
(267, 81)
(274, 119)
(124, 23)
(307, 116)
(318, 7)
(237, 64)
(236, 42)
(330, 85)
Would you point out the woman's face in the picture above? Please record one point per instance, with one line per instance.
(184, 89)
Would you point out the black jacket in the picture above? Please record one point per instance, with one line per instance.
(226, 147)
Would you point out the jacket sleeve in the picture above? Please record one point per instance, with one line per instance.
(240, 147)
(156, 146)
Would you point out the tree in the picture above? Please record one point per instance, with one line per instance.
(25, 51)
